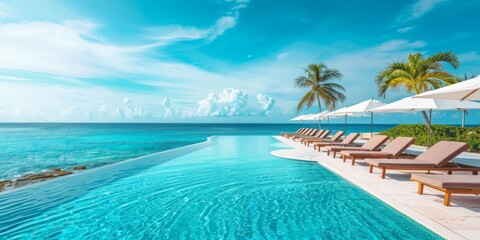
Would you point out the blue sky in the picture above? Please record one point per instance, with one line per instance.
(213, 60)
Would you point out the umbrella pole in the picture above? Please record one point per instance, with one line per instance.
(429, 128)
(345, 124)
(463, 118)
(371, 124)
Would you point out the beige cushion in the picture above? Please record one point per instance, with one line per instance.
(337, 136)
(350, 138)
(449, 181)
(406, 163)
(442, 152)
(398, 145)
(375, 142)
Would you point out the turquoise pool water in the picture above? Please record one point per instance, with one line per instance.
(33, 147)
(229, 188)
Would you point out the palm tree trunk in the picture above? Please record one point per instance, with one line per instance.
(320, 110)
(427, 122)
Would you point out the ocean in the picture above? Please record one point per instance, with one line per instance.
(34, 147)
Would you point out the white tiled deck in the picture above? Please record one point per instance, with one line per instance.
(459, 221)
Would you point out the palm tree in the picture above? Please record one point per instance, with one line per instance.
(318, 80)
(418, 74)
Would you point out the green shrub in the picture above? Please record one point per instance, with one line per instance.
(470, 135)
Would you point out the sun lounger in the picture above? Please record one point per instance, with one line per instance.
(449, 184)
(310, 133)
(371, 145)
(436, 158)
(300, 130)
(335, 138)
(393, 150)
(305, 131)
(348, 140)
(317, 135)
(324, 135)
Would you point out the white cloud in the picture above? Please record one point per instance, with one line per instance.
(222, 25)
(130, 110)
(406, 29)
(177, 33)
(174, 33)
(127, 101)
(61, 50)
(282, 56)
(265, 103)
(230, 102)
(419, 8)
(166, 102)
(167, 106)
(472, 56)
(399, 45)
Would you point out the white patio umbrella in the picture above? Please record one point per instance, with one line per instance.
(297, 118)
(341, 112)
(465, 90)
(321, 116)
(410, 104)
(362, 108)
(300, 118)
(315, 117)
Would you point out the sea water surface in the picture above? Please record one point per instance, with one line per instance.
(33, 147)
(230, 189)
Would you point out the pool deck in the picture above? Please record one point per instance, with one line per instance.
(461, 220)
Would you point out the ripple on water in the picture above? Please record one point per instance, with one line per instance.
(229, 190)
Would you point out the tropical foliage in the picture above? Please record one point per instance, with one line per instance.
(318, 80)
(418, 74)
(470, 135)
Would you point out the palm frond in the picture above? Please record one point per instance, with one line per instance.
(318, 78)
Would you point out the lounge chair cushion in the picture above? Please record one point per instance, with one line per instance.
(350, 138)
(449, 181)
(442, 152)
(375, 142)
(398, 145)
(324, 134)
(407, 163)
(337, 136)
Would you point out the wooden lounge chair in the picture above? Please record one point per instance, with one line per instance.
(393, 149)
(456, 184)
(305, 131)
(310, 133)
(436, 158)
(300, 130)
(347, 141)
(335, 138)
(324, 135)
(317, 135)
(371, 145)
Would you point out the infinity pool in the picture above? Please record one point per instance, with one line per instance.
(228, 188)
